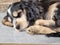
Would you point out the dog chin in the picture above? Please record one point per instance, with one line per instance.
(19, 30)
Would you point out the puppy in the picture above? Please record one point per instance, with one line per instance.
(23, 14)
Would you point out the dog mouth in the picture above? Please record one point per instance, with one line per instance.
(19, 30)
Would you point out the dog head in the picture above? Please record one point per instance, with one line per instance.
(21, 23)
(23, 13)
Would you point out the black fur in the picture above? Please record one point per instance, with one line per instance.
(54, 35)
(57, 15)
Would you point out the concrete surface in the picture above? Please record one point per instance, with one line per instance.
(9, 35)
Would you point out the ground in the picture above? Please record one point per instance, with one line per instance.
(8, 34)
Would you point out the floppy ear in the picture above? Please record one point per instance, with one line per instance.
(30, 16)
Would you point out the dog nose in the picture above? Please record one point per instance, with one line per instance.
(18, 27)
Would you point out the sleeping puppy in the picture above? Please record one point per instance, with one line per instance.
(22, 15)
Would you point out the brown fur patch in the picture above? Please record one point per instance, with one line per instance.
(45, 22)
(36, 29)
(7, 23)
(51, 10)
(15, 13)
(57, 29)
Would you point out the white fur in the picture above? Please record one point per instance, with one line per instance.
(9, 19)
(9, 10)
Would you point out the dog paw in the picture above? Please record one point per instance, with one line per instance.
(30, 30)
(39, 30)
(4, 22)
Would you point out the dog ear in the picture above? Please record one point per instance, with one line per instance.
(30, 16)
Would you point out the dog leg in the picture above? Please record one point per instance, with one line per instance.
(37, 29)
(7, 21)
(45, 22)
(57, 29)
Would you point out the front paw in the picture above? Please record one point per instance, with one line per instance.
(7, 23)
(47, 23)
(39, 30)
(30, 30)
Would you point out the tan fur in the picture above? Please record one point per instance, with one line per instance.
(51, 10)
(22, 21)
(7, 23)
(39, 27)
(36, 29)
(42, 22)
(57, 29)
(15, 13)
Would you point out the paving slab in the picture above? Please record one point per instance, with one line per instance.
(9, 35)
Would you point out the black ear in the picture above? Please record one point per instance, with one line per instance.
(30, 18)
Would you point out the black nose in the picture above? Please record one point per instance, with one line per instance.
(17, 27)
